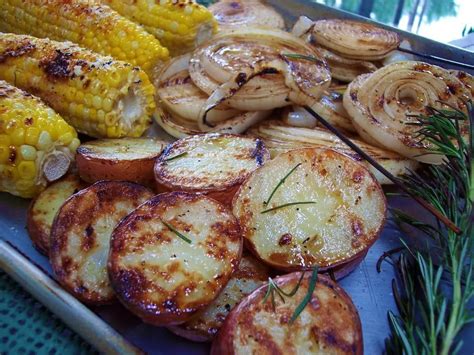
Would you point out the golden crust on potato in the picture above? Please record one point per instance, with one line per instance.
(327, 212)
(127, 159)
(45, 206)
(329, 324)
(203, 326)
(213, 164)
(173, 255)
(80, 237)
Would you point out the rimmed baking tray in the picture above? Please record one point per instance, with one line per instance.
(112, 329)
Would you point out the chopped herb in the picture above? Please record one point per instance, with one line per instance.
(273, 287)
(307, 298)
(288, 204)
(280, 183)
(183, 237)
(177, 156)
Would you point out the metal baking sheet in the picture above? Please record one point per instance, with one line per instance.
(370, 291)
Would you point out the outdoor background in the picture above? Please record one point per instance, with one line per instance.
(441, 20)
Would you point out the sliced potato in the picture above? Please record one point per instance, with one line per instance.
(213, 164)
(329, 324)
(80, 237)
(173, 255)
(204, 325)
(327, 212)
(280, 138)
(128, 159)
(45, 206)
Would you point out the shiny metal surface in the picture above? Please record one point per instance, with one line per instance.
(371, 291)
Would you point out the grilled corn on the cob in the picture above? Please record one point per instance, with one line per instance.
(88, 23)
(36, 144)
(97, 95)
(180, 25)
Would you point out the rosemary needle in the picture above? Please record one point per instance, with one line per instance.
(288, 204)
(176, 156)
(309, 295)
(182, 236)
(281, 183)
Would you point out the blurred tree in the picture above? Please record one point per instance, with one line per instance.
(398, 12)
(350, 5)
(412, 15)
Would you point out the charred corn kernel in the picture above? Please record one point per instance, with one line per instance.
(126, 96)
(85, 22)
(25, 164)
(180, 25)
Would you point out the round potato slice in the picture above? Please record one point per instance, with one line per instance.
(212, 164)
(128, 159)
(328, 324)
(204, 325)
(45, 206)
(80, 237)
(310, 207)
(173, 255)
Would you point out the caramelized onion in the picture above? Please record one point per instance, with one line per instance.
(178, 94)
(329, 107)
(356, 40)
(248, 70)
(235, 13)
(381, 105)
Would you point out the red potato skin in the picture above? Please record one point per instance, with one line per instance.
(223, 343)
(92, 169)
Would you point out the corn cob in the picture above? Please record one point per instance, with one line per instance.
(179, 24)
(36, 144)
(97, 95)
(87, 23)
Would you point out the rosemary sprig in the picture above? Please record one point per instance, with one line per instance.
(176, 156)
(182, 236)
(281, 182)
(288, 204)
(273, 288)
(435, 285)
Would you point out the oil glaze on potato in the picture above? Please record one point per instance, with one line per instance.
(80, 237)
(212, 164)
(344, 218)
(203, 326)
(329, 324)
(162, 277)
(45, 206)
(127, 159)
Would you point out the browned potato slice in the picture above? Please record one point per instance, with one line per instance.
(204, 325)
(44, 207)
(329, 324)
(80, 237)
(212, 164)
(173, 255)
(327, 212)
(128, 159)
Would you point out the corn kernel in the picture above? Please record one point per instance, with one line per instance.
(28, 152)
(27, 170)
(4, 154)
(66, 138)
(44, 141)
(32, 135)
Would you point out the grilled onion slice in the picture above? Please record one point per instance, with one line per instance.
(381, 104)
(178, 94)
(279, 138)
(179, 127)
(247, 69)
(329, 107)
(466, 78)
(237, 13)
(352, 39)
